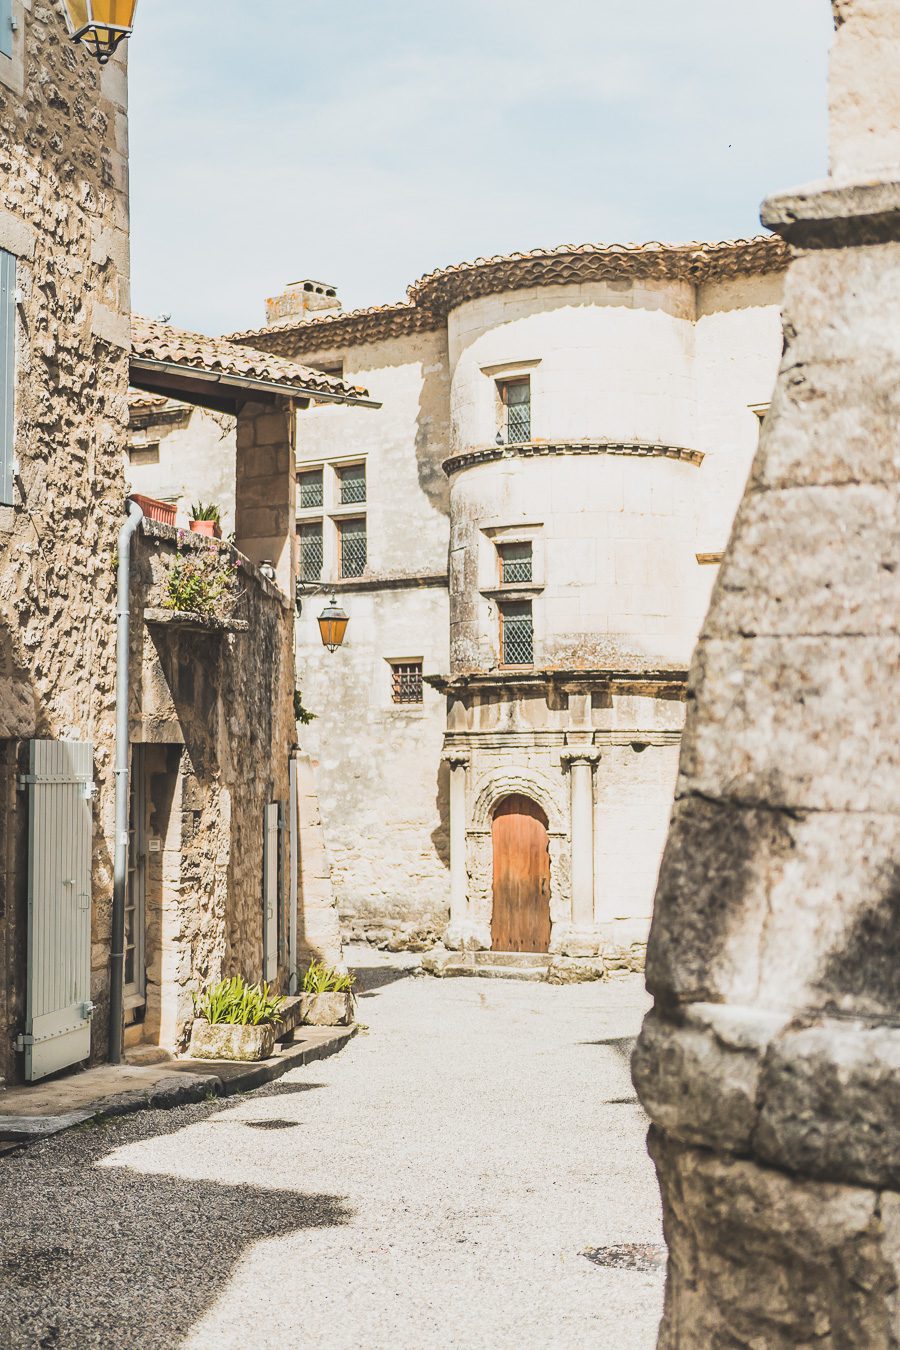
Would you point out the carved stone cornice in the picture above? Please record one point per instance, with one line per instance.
(488, 454)
(457, 759)
(580, 754)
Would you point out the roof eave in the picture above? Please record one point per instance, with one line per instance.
(244, 383)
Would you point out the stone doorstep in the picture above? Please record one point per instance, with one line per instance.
(158, 1088)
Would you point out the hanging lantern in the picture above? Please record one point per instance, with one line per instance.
(333, 624)
(100, 24)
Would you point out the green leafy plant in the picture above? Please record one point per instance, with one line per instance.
(322, 979)
(233, 1002)
(301, 714)
(206, 511)
(200, 583)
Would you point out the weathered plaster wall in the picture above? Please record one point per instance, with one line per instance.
(382, 787)
(220, 705)
(196, 461)
(64, 214)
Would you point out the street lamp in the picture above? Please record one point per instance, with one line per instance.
(100, 24)
(333, 624)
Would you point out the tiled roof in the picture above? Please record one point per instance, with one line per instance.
(161, 344)
(433, 296)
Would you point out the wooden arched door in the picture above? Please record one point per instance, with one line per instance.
(521, 915)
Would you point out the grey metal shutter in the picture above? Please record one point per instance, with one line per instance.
(271, 850)
(7, 367)
(6, 28)
(60, 829)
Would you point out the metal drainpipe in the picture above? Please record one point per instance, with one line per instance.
(120, 865)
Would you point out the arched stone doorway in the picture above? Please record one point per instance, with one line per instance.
(520, 919)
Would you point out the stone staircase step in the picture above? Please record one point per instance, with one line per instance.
(520, 959)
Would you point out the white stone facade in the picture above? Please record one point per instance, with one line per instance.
(646, 371)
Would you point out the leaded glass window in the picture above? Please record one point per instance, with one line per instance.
(312, 552)
(354, 547)
(515, 563)
(353, 484)
(515, 395)
(406, 681)
(517, 634)
(310, 489)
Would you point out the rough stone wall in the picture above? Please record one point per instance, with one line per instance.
(222, 701)
(769, 1063)
(64, 215)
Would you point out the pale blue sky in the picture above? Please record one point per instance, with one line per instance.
(367, 142)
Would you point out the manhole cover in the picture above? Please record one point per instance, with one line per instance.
(628, 1256)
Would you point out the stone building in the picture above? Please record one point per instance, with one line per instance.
(211, 727)
(769, 1065)
(525, 538)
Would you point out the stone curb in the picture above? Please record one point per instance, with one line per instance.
(179, 1088)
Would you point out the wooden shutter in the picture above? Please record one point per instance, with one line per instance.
(58, 1004)
(7, 370)
(6, 28)
(271, 849)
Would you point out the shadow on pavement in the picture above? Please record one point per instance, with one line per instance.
(101, 1256)
(371, 978)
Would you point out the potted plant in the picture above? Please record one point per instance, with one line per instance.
(235, 1020)
(154, 509)
(206, 519)
(326, 997)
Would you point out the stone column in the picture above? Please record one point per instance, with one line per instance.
(579, 937)
(460, 933)
(266, 487)
(769, 1065)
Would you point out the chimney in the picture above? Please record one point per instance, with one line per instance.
(302, 300)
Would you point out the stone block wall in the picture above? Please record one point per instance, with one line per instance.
(213, 709)
(64, 216)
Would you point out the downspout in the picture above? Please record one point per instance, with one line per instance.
(120, 865)
(294, 836)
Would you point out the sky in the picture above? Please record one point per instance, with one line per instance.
(368, 142)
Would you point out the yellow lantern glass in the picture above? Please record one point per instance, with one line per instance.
(100, 24)
(333, 624)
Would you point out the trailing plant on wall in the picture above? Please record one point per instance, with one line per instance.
(201, 583)
(322, 979)
(301, 714)
(235, 1003)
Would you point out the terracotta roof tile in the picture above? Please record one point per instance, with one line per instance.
(432, 296)
(160, 342)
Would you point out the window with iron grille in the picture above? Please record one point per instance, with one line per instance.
(310, 493)
(515, 396)
(354, 547)
(353, 484)
(517, 634)
(406, 681)
(312, 551)
(515, 563)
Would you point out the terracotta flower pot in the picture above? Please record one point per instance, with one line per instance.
(223, 1040)
(210, 528)
(154, 509)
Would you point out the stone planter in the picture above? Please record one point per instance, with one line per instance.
(225, 1041)
(327, 1010)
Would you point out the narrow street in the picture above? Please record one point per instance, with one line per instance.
(436, 1184)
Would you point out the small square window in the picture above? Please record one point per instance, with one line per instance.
(406, 681)
(515, 400)
(517, 634)
(144, 454)
(310, 492)
(354, 547)
(312, 553)
(516, 564)
(353, 484)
